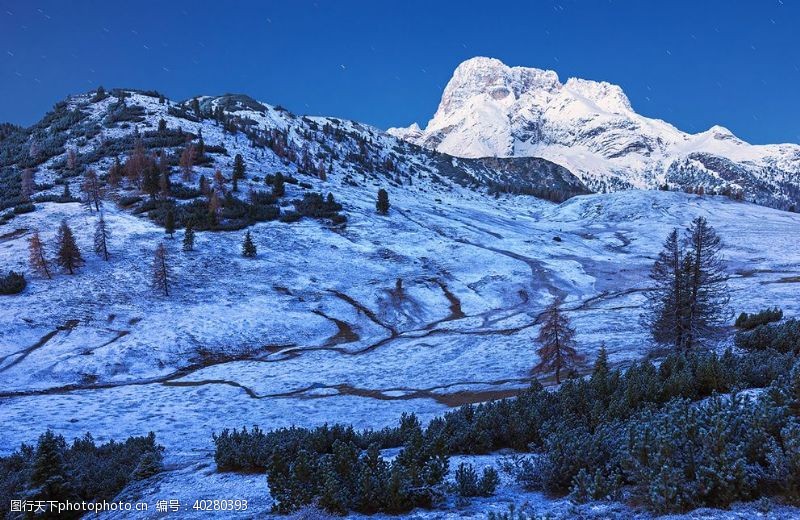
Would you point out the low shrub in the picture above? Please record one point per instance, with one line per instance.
(12, 283)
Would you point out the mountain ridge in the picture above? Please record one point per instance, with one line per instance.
(591, 128)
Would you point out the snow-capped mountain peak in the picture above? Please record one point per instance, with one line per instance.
(489, 109)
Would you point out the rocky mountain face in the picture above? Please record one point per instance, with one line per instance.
(489, 109)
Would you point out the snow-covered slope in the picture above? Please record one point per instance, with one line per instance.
(316, 328)
(489, 109)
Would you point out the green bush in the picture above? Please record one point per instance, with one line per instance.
(750, 321)
(12, 283)
(81, 471)
(781, 337)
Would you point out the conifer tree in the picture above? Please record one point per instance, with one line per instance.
(706, 285)
(667, 302)
(28, 184)
(557, 340)
(115, 173)
(68, 256)
(162, 126)
(169, 223)
(238, 167)
(382, 205)
(690, 293)
(48, 460)
(161, 271)
(188, 237)
(101, 236)
(90, 187)
(37, 257)
(278, 187)
(248, 247)
(66, 195)
(187, 162)
(196, 108)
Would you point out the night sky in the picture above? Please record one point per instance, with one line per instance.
(692, 63)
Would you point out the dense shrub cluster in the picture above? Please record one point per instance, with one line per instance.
(781, 337)
(660, 431)
(315, 206)
(81, 471)
(341, 469)
(750, 321)
(12, 283)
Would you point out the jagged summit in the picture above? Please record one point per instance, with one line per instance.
(489, 109)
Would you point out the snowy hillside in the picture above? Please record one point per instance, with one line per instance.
(491, 110)
(343, 316)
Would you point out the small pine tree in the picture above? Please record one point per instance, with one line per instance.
(101, 236)
(162, 126)
(238, 167)
(169, 223)
(68, 256)
(38, 260)
(188, 237)
(161, 271)
(248, 247)
(557, 339)
(278, 187)
(382, 205)
(49, 458)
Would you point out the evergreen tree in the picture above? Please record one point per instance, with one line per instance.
(690, 293)
(248, 247)
(38, 260)
(169, 223)
(667, 302)
(278, 187)
(382, 205)
(101, 236)
(706, 286)
(68, 256)
(238, 167)
(196, 108)
(188, 237)
(66, 195)
(162, 126)
(49, 458)
(151, 183)
(557, 339)
(161, 271)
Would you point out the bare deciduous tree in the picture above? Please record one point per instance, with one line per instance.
(557, 339)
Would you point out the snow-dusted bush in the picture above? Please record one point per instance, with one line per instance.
(782, 337)
(12, 283)
(81, 471)
(750, 321)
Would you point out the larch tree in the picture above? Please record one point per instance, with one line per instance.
(38, 260)
(161, 270)
(115, 173)
(101, 236)
(91, 190)
(28, 184)
(68, 256)
(557, 339)
(382, 204)
(187, 162)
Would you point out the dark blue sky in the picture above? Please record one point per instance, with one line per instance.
(693, 63)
